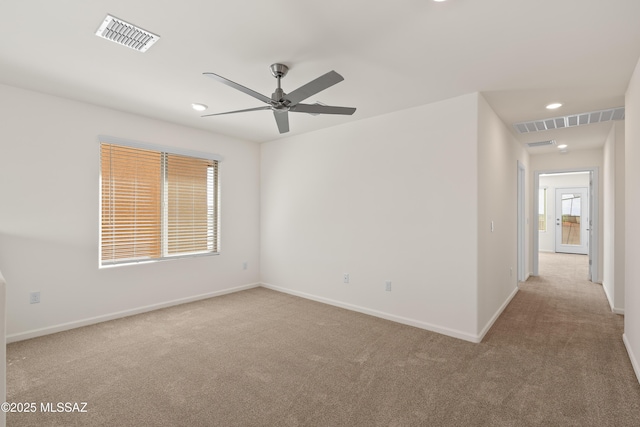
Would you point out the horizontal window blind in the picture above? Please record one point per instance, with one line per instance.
(131, 203)
(190, 207)
(156, 205)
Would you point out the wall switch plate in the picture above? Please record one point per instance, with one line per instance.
(388, 285)
(34, 297)
(345, 277)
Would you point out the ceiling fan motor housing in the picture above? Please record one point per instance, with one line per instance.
(278, 99)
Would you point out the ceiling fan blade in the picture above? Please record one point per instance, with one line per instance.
(322, 109)
(282, 119)
(314, 86)
(239, 111)
(239, 87)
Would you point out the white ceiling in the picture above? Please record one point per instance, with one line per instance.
(522, 54)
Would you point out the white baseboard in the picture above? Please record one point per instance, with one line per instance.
(632, 357)
(497, 314)
(117, 315)
(394, 318)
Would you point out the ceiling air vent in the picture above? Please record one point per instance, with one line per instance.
(570, 121)
(541, 143)
(126, 34)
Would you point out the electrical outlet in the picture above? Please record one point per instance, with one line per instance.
(388, 285)
(34, 297)
(245, 265)
(345, 277)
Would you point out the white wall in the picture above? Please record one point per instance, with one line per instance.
(392, 197)
(632, 226)
(498, 155)
(49, 172)
(406, 197)
(575, 160)
(547, 239)
(613, 220)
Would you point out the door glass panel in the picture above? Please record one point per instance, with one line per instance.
(571, 215)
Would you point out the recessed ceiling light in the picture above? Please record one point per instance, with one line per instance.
(562, 146)
(199, 107)
(554, 106)
(439, 0)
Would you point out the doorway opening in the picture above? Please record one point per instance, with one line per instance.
(571, 219)
(566, 209)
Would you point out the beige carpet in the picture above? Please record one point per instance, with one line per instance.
(261, 358)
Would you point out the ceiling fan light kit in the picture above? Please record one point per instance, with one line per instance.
(282, 103)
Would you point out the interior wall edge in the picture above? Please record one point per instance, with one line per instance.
(34, 333)
(632, 357)
(496, 315)
(3, 349)
(609, 298)
(453, 333)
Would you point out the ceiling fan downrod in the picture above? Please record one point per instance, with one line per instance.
(279, 71)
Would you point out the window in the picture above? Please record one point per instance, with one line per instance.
(542, 210)
(156, 205)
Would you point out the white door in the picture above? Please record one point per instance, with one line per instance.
(572, 220)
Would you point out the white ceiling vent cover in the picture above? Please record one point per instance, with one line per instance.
(126, 34)
(541, 143)
(571, 120)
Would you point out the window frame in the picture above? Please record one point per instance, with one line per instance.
(164, 150)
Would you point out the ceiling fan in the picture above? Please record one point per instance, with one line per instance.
(282, 103)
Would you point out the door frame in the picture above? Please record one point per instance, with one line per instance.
(521, 273)
(594, 227)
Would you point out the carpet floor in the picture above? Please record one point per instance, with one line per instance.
(555, 357)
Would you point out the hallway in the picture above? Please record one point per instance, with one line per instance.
(570, 348)
(560, 266)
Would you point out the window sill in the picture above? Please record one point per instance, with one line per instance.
(155, 260)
